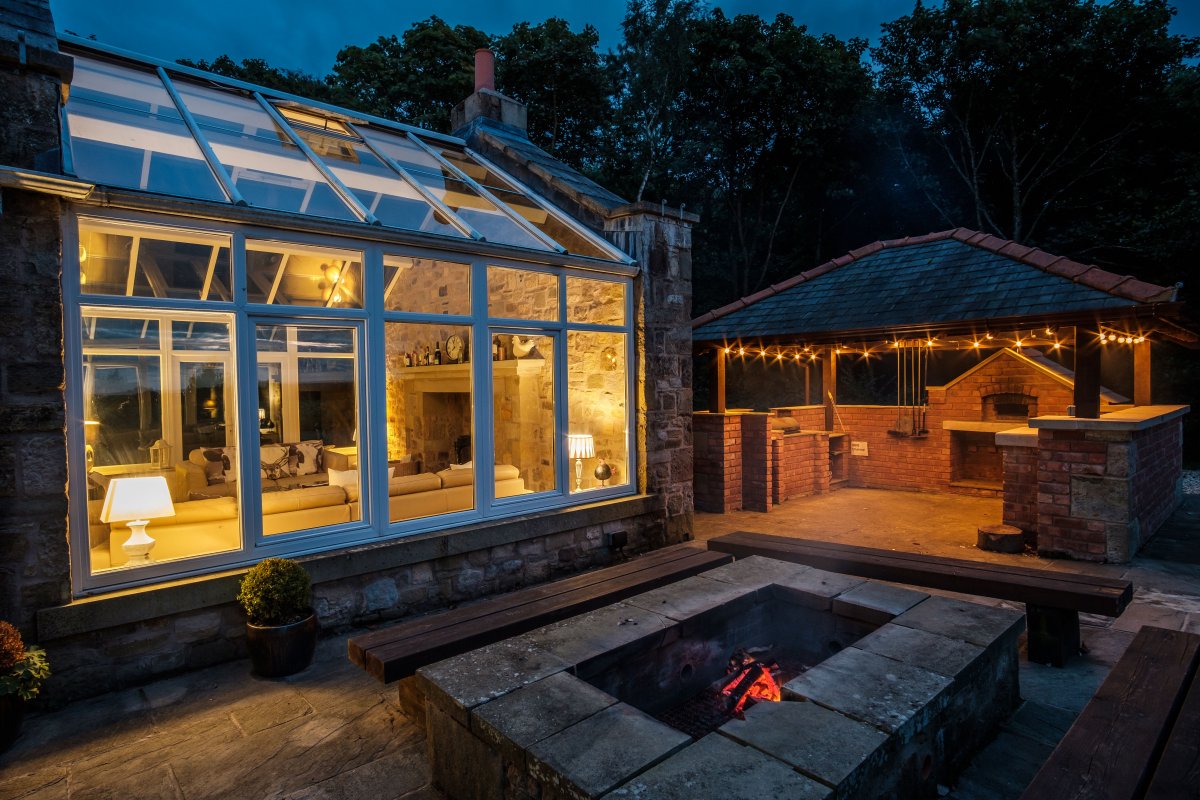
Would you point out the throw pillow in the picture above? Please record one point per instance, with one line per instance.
(467, 465)
(343, 477)
(308, 457)
(215, 466)
(274, 462)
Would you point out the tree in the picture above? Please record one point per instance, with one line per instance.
(257, 71)
(559, 75)
(650, 70)
(1030, 103)
(766, 147)
(417, 78)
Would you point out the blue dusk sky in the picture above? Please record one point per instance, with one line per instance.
(306, 35)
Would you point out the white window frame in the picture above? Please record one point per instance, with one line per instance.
(374, 525)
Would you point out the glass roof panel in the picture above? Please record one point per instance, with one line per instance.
(521, 203)
(264, 164)
(475, 209)
(125, 131)
(392, 200)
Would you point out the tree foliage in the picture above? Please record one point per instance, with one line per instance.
(1034, 105)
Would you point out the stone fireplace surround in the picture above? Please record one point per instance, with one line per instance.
(909, 687)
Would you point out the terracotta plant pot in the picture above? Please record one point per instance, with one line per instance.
(12, 710)
(279, 650)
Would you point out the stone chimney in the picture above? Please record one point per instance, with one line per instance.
(486, 103)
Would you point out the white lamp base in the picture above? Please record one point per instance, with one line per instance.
(138, 546)
(579, 474)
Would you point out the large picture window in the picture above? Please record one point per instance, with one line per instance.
(383, 393)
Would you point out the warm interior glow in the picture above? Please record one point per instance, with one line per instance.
(137, 498)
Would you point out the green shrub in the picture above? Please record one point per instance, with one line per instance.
(276, 591)
(23, 669)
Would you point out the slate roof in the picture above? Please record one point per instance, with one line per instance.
(952, 276)
(518, 147)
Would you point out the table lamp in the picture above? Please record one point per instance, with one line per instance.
(579, 447)
(136, 501)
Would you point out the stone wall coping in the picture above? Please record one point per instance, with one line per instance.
(976, 426)
(1138, 418)
(796, 408)
(1018, 437)
(734, 412)
(139, 604)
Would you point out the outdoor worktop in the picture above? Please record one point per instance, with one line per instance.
(1138, 418)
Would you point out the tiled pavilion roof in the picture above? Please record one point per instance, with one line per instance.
(941, 278)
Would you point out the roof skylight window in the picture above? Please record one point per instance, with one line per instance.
(126, 131)
(263, 162)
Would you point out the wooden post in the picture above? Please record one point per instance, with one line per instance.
(807, 385)
(716, 392)
(1087, 375)
(1141, 374)
(829, 386)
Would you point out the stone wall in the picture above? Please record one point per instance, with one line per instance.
(34, 564)
(108, 654)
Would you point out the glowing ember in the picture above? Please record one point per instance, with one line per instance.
(752, 681)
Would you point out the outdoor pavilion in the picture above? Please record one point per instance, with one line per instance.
(1083, 472)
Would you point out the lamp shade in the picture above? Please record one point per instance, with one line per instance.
(137, 498)
(580, 445)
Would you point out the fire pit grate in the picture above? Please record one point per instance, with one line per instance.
(710, 708)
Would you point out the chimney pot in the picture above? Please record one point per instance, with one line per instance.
(485, 69)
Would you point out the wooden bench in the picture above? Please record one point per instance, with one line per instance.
(1052, 600)
(1139, 736)
(399, 650)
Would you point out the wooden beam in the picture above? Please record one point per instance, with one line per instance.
(807, 385)
(716, 393)
(1141, 374)
(829, 385)
(1087, 376)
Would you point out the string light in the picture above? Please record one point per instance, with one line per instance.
(975, 344)
(727, 350)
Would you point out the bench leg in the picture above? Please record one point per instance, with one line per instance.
(1053, 634)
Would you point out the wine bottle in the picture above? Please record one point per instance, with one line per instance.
(437, 353)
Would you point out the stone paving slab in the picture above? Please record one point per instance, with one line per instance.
(929, 651)
(822, 744)
(816, 588)
(571, 764)
(717, 767)
(691, 597)
(522, 718)
(876, 603)
(968, 622)
(597, 632)
(892, 696)
(460, 683)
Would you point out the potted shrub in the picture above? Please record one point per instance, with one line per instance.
(281, 627)
(22, 671)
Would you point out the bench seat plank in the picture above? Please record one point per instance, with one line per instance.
(1178, 772)
(358, 645)
(1110, 751)
(437, 636)
(1057, 590)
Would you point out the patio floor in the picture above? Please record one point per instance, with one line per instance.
(333, 732)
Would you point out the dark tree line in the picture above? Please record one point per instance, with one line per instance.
(1067, 124)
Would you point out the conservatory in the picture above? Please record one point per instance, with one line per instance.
(302, 328)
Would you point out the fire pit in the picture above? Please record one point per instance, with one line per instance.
(881, 691)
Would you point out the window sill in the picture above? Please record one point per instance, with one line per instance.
(130, 606)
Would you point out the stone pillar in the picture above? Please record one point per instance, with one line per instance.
(1106, 485)
(34, 561)
(662, 244)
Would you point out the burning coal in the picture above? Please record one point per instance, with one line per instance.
(751, 681)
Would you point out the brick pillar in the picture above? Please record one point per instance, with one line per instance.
(718, 462)
(663, 247)
(1021, 488)
(756, 462)
(1103, 490)
(34, 560)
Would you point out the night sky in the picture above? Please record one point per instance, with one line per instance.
(306, 35)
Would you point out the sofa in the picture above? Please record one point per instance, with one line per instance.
(209, 524)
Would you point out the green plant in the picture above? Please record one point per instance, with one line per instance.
(22, 669)
(276, 591)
